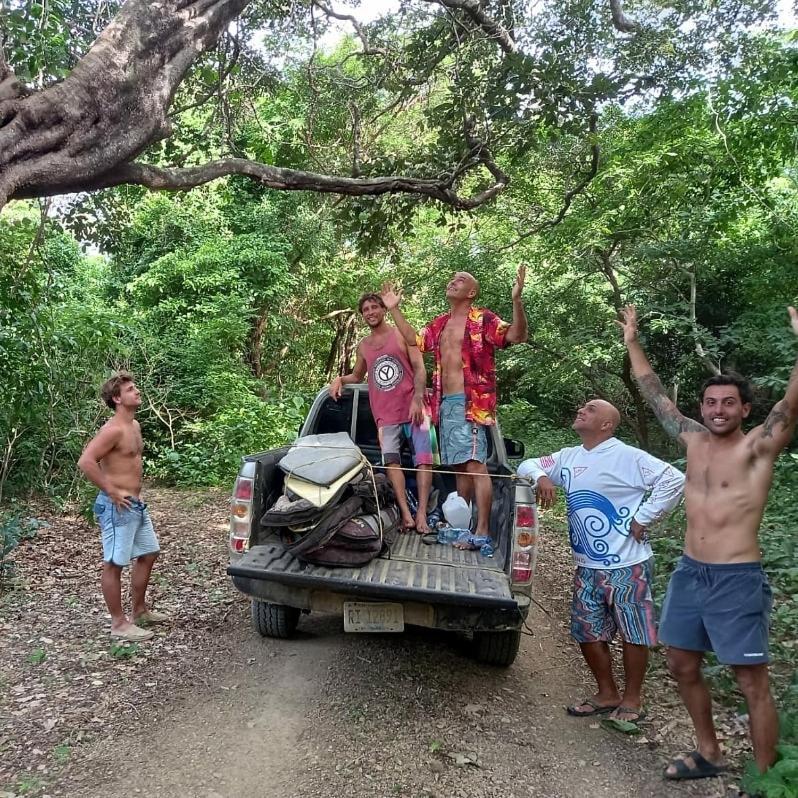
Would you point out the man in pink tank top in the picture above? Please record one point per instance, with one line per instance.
(397, 380)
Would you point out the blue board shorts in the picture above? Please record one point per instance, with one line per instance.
(723, 608)
(126, 534)
(460, 440)
(613, 600)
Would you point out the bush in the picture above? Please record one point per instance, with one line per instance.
(13, 530)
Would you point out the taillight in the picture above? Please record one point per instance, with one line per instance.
(524, 544)
(525, 515)
(243, 490)
(241, 508)
(522, 567)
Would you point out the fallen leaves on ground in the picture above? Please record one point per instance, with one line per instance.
(63, 682)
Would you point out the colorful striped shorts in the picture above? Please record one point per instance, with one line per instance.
(614, 600)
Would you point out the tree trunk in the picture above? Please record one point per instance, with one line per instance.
(114, 102)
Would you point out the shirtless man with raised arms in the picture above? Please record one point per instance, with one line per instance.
(112, 461)
(718, 598)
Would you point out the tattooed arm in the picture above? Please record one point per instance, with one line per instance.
(673, 422)
(772, 436)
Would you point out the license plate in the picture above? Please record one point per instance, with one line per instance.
(364, 616)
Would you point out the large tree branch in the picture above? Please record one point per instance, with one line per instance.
(86, 132)
(620, 20)
(476, 13)
(276, 177)
(114, 103)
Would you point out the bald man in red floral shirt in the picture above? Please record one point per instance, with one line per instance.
(463, 342)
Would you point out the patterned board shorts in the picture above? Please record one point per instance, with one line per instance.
(126, 534)
(421, 437)
(614, 600)
(461, 440)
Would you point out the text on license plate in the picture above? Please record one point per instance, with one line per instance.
(364, 616)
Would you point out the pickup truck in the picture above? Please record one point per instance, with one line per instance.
(436, 586)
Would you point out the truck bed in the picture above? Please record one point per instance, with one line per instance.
(412, 570)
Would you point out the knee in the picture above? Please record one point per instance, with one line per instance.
(754, 683)
(682, 669)
(476, 468)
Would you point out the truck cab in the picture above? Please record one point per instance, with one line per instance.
(437, 585)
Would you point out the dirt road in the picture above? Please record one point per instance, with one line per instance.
(212, 710)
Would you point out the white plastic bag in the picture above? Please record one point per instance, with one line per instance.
(457, 512)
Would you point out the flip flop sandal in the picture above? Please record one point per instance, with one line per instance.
(430, 538)
(639, 714)
(596, 709)
(704, 769)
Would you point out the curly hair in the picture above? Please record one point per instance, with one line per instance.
(113, 388)
(370, 297)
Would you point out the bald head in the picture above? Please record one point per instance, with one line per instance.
(463, 287)
(608, 412)
(596, 421)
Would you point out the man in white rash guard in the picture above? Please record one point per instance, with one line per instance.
(614, 492)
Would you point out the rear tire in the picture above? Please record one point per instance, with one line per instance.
(497, 648)
(274, 620)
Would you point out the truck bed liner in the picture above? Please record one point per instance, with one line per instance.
(445, 574)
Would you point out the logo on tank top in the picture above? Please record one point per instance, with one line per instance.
(388, 372)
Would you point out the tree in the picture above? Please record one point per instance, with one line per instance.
(501, 73)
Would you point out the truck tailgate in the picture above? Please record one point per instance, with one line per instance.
(414, 572)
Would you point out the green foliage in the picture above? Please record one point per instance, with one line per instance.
(14, 529)
(523, 422)
(124, 650)
(780, 780)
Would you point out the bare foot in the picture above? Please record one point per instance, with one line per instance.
(629, 713)
(597, 705)
(422, 527)
(408, 524)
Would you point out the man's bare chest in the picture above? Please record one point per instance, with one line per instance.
(720, 473)
(131, 444)
(452, 337)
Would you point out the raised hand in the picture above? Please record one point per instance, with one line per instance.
(629, 324)
(793, 319)
(391, 296)
(518, 285)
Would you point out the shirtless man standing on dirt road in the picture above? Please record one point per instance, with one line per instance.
(718, 598)
(463, 343)
(112, 461)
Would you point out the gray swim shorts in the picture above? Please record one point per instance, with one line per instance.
(460, 440)
(723, 608)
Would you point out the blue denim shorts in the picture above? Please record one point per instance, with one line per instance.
(126, 534)
(723, 608)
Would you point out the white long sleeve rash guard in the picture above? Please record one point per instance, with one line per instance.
(606, 487)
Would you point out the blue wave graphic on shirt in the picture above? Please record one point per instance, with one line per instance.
(591, 517)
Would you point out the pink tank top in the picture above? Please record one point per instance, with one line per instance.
(390, 381)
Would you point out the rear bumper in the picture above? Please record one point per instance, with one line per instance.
(449, 616)
(443, 597)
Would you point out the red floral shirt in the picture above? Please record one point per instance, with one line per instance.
(484, 333)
